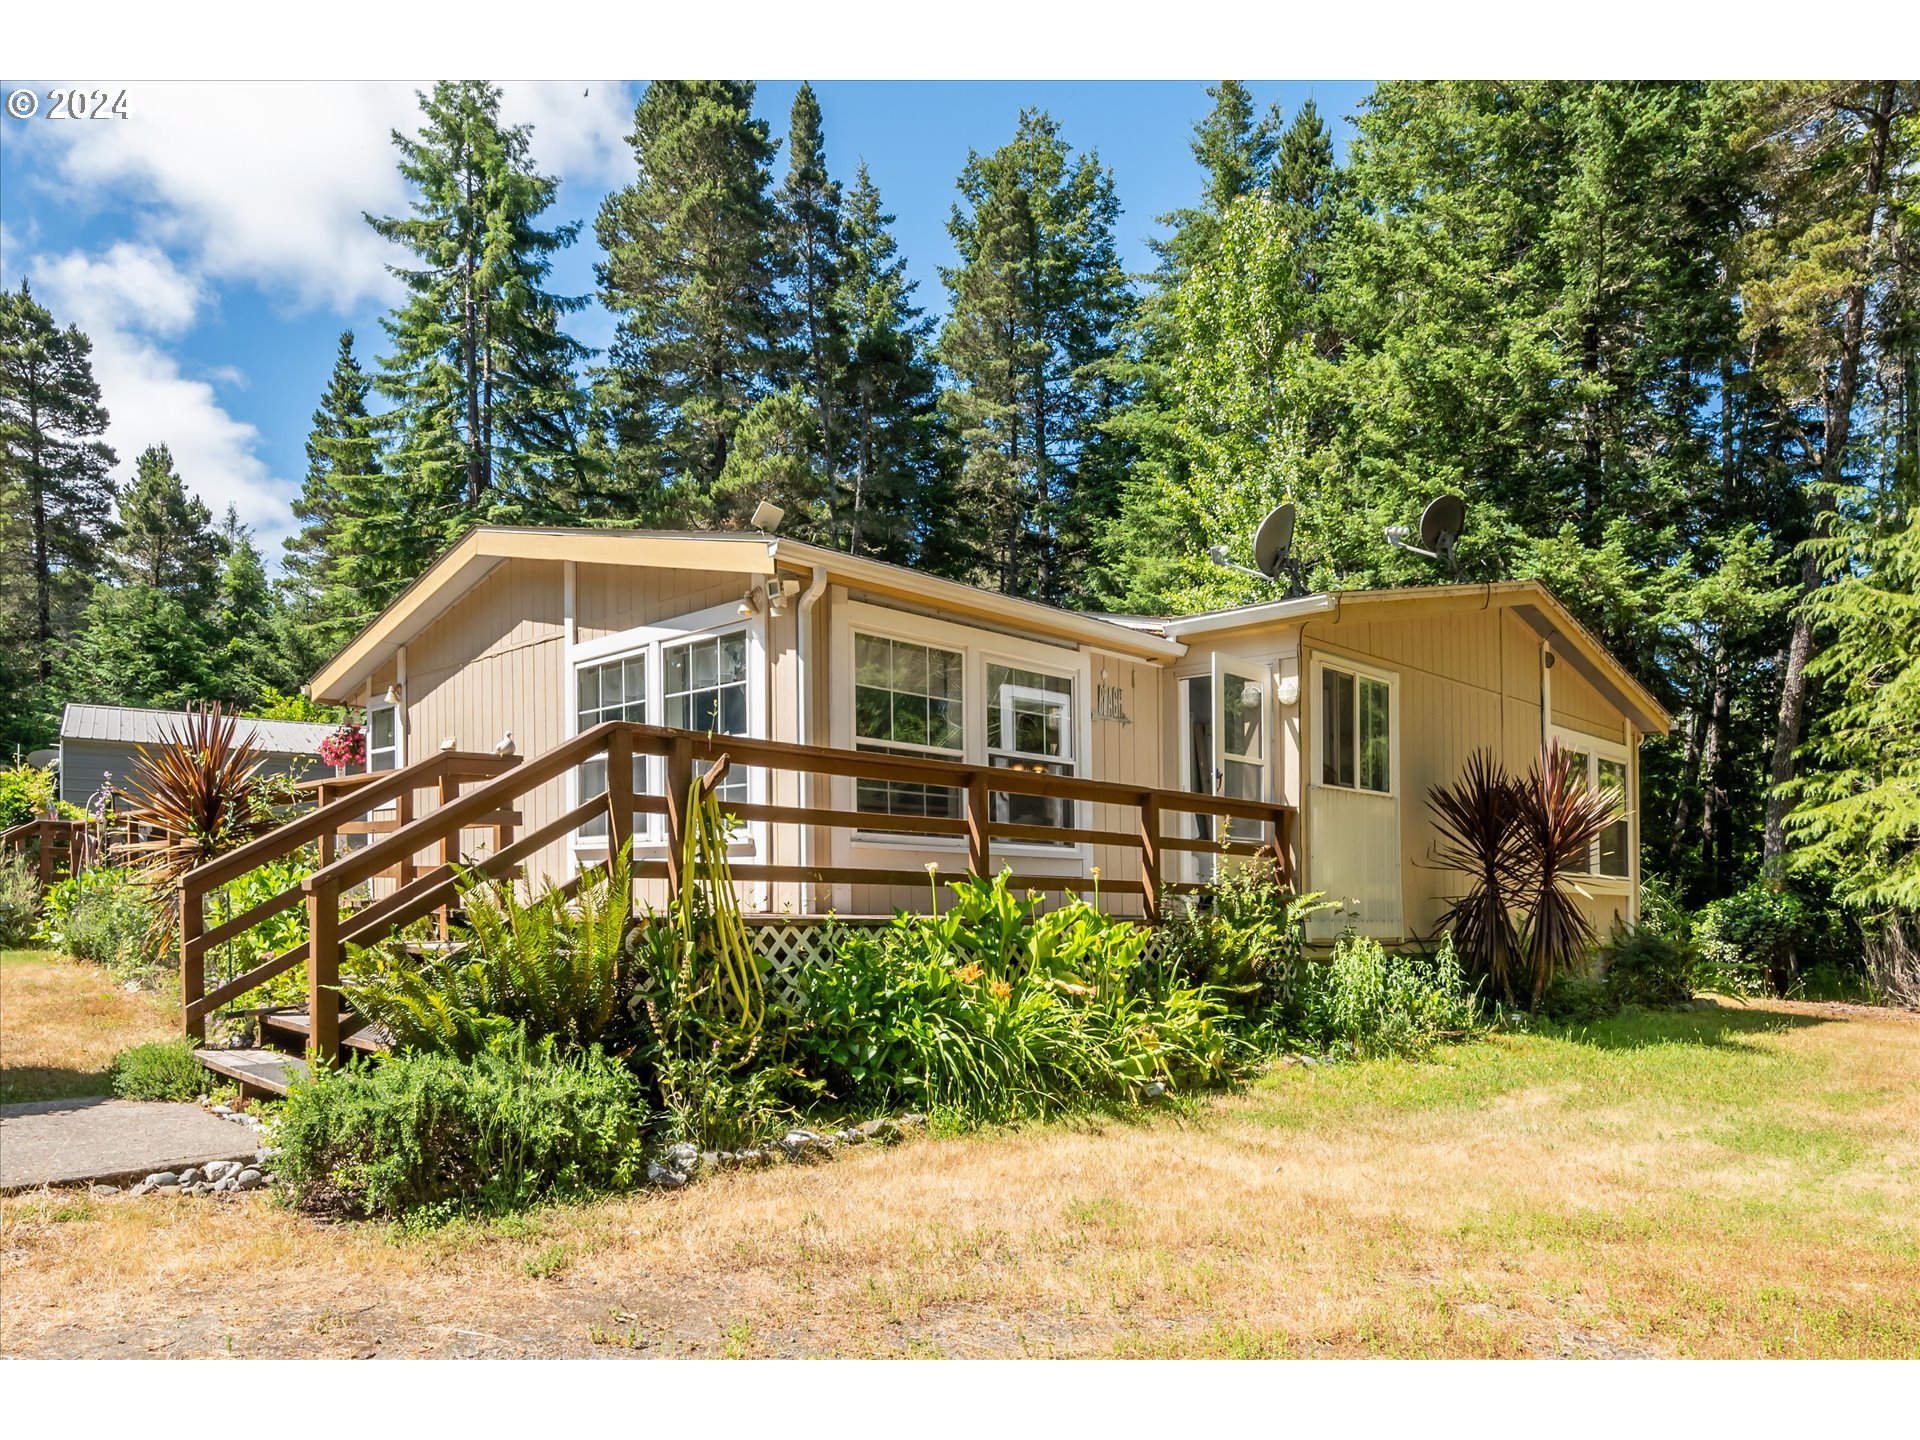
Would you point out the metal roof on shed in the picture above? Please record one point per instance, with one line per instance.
(122, 724)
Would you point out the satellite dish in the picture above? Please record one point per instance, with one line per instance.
(1273, 539)
(1440, 525)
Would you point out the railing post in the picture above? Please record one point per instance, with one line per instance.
(449, 792)
(1150, 857)
(46, 853)
(193, 965)
(323, 970)
(619, 791)
(1283, 842)
(979, 814)
(679, 782)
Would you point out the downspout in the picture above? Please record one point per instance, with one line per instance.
(808, 599)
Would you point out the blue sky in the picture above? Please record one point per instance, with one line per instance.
(213, 245)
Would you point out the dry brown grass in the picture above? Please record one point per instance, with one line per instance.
(1728, 1184)
(62, 1021)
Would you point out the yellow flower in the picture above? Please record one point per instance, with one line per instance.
(969, 973)
(1096, 872)
(1000, 989)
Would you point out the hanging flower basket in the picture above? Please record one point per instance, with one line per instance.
(345, 749)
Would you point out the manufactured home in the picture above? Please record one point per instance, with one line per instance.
(1332, 714)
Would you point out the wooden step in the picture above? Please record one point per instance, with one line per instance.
(298, 1025)
(264, 1072)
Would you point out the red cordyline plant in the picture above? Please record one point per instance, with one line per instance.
(1560, 819)
(1478, 817)
(1520, 841)
(199, 794)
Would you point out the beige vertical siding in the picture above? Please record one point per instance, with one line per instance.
(494, 662)
(612, 598)
(1468, 679)
(1128, 752)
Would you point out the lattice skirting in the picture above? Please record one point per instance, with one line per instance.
(793, 947)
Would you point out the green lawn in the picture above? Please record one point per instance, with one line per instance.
(1734, 1182)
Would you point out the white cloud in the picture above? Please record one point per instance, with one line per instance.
(262, 182)
(270, 183)
(132, 287)
(124, 298)
(580, 127)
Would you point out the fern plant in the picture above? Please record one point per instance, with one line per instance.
(554, 966)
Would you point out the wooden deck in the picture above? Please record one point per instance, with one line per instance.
(418, 822)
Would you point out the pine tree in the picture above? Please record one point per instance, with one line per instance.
(1837, 158)
(896, 466)
(486, 408)
(357, 547)
(59, 488)
(1235, 152)
(691, 272)
(248, 629)
(811, 254)
(167, 540)
(1037, 303)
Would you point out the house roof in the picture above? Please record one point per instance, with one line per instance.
(1531, 601)
(485, 547)
(126, 725)
(751, 554)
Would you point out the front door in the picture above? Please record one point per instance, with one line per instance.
(1353, 803)
(1227, 749)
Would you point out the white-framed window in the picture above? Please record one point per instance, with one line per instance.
(385, 750)
(1602, 765)
(1030, 727)
(698, 672)
(923, 686)
(1356, 729)
(704, 688)
(909, 698)
(610, 690)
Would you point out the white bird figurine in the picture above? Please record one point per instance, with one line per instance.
(449, 742)
(505, 747)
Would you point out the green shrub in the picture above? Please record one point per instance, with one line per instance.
(555, 968)
(1747, 939)
(999, 1011)
(1375, 1003)
(19, 899)
(1650, 968)
(273, 936)
(160, 1070)
(25, 793)
(1246, 941)
(512, 1125)
(1578, 1000)
(1662, 909)
(105, 917)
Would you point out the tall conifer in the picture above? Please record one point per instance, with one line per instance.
(691, 273)
(1037, 303)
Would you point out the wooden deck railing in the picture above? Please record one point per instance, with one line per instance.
(423, 890)
(64, 847)
(347, 806)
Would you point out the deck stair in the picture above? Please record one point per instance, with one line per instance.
(259, 1072)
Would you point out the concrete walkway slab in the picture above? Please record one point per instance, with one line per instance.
(71, 1142)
